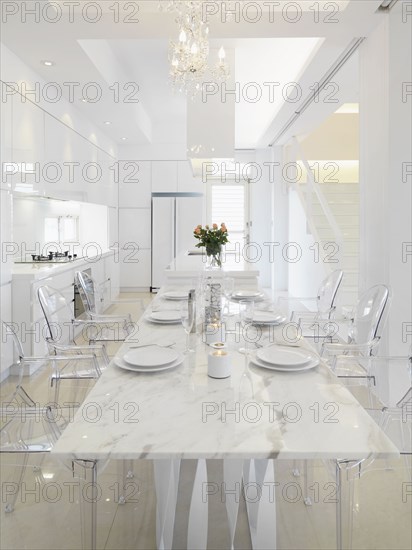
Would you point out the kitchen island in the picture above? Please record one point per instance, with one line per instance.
(190, 263)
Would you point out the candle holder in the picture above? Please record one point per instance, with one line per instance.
(218, 364)
(214, 333)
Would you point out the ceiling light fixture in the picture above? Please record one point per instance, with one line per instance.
(189, 56)
(123, 138)
(107, 122)
(47, 63)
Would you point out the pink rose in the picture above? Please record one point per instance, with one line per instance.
(197, 231)
(215, 226)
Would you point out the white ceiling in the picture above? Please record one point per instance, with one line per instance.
(265, 52)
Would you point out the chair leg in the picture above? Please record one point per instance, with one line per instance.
(15, 485)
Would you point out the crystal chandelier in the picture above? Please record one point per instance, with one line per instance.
(189, 56)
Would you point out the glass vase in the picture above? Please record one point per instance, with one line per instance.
(214, 258)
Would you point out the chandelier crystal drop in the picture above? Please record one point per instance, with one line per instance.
(189, 55)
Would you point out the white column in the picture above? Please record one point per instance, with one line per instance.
(385, 158)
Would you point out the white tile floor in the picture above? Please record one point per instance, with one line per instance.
(46, 515)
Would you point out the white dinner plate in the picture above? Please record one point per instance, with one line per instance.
(245, 294)
(165, 315)
(176, 295)
(283, 357)
(151, 320)
(268, 318)
(119, 362)
(311, 365)
(150, 357)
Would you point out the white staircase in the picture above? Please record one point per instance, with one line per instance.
(343, 200)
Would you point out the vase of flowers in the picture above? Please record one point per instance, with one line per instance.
(212, 239)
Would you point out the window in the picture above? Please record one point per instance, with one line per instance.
(228, 203)
(61, 229)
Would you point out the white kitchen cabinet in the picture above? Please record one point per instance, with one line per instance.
(135, 184)
(135, 269)
(134, 226)
(28, 131)
(28, 146)
(164, 176)
(186, 180)
(6, 133)
(27, 279)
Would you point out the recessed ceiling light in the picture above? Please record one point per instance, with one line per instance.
(47, 63)
(84, 100)
(107, 122)
(123, 138)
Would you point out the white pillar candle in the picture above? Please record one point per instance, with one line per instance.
(218, 364)
(215, 333)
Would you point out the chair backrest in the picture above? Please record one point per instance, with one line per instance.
(58, 314)
(88, 291)
(370, 315)
(8, 334)
(328, 290)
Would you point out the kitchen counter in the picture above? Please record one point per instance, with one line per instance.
(44, 270)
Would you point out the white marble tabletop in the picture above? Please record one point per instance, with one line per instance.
(182, 413)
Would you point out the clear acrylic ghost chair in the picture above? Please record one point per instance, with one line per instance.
(325, 301)
(351, 359)
(23, 430)
(61, 326)
(390, 404)
(112, 327)
(317, 322)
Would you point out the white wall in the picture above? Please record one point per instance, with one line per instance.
(305, 274)
(385, 145)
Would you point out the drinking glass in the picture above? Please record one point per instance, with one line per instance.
(228, 288)
(187, 322)
(246, 310)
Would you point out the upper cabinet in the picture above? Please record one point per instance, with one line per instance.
(186, 180)
(6, 146)
(48, 157)
(134, 184)
(27, 131)
(164, 176)
(175, 176)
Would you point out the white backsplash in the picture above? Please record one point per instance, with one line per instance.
(29, 214)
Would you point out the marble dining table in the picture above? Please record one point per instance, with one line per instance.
(249, 420)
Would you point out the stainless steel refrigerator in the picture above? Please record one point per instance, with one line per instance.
(174, 216)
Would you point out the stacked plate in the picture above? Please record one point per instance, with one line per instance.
(251, 295)
(165, 317)
(284, 359)
(268, 318)
(176, 295)
(149, 359)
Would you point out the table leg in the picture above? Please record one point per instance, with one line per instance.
(166, 474)
(88, 498)
(344, 503)
(198, 514)
(232, 479)
(259, 489)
